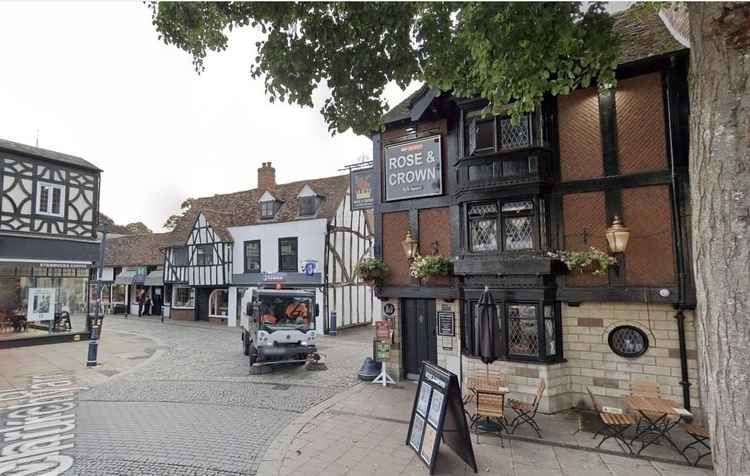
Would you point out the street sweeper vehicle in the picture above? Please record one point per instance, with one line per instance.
(278, 326)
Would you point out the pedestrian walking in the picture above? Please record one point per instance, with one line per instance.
(139, 298)
(147, 305)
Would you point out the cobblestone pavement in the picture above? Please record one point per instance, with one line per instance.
(193, 409)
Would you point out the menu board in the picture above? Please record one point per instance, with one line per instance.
(446, 323)
(438, 415)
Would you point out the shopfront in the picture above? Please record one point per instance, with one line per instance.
(43, 300)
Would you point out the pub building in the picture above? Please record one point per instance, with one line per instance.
(499, 198)
(49, 204)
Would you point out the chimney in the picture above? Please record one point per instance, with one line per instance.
(266, 177)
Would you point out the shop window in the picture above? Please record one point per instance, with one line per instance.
(517, 221)
(218, 303)
(180, 256)
(526, 331)
(252, 256)
(628, 341)
(204, 255)
(183, 296)
(118, 293)
(50, 199)
(288, 255)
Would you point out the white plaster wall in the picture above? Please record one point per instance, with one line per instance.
(310, 236)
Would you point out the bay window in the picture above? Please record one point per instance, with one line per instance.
(183, 297)
(527, 331)
(512, 225)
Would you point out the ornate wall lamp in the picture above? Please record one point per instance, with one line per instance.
(618, 236)
(411, 246)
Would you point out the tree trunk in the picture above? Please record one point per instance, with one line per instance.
(720, 194)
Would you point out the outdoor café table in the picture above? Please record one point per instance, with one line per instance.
(486, 386)
(662, 415)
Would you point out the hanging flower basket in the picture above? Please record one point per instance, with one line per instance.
(592, 261)
(372, 271)
(426, 267)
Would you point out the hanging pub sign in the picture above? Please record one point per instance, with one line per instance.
(413, 169)
(438, 415)
(360, 184)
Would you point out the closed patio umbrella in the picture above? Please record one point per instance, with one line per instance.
(486, 330)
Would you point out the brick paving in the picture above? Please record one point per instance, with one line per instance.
(362, 431)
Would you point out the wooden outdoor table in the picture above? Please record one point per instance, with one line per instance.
(661, 414)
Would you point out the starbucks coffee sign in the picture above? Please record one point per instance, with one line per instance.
(413, 169)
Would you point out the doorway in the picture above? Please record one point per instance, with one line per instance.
(201, 303)
(419, 331)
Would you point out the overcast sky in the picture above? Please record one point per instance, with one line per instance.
(96, 82)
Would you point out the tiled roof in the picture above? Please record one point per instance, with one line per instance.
(241, 208)
(47, 154)
(137, 250)
(642, 35)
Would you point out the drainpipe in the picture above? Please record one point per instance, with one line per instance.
(683, 359)
(679, 246)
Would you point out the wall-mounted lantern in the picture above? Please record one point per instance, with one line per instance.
(411, 246)
(618, 236)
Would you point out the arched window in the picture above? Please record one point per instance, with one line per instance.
(218, 303)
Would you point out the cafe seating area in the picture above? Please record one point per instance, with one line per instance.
(649, 425)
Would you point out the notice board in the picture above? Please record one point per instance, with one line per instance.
(438, 415)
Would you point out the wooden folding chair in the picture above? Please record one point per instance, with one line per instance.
(614, 423)
(644, 388)
(526, 412)
(490, 407)
(479, 377)
(701, 437)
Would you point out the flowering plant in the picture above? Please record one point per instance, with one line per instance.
(371, 269)
(593, 260)
(429, 266)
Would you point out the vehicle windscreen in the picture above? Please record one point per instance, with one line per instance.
(286, 312)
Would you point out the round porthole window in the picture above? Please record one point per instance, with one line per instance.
(628, 341)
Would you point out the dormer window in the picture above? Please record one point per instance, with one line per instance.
(268, 206)
(308, 202)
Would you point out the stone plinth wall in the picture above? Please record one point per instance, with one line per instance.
(182, 314)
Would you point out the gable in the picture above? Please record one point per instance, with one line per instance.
(267, 197)
(307, 191)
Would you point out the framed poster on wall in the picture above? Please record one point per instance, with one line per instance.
(41, 306)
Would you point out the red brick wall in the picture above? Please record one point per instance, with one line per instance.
(641, 144)
(649, 257)
(584, 216)
(580, 135)
(395, 225)
(182, 314)
(434, 225)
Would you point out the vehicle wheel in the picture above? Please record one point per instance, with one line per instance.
(253, 353)
(245, 344)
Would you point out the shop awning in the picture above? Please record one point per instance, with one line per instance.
(130, 276)
(155, 278)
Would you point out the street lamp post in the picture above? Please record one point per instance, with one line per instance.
(96, 326)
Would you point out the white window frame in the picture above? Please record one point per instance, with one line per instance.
(212, 304)
(191, 304)
(52, 187)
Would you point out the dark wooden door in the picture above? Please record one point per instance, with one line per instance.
(201, 304)
(420, 337)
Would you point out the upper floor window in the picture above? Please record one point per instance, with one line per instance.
(505, 226)
(485, 135)
(204, 255)
(50, 199)
(308, 206)
(252, 256)
(288, 255)
(268, 206)
(180, 256)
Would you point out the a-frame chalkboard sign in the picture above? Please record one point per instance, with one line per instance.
(438, 414)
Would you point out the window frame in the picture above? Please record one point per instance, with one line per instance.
(288, 269)
(504, 353)
(247, 261)
(500, 216)
(200, 255)
(178, 262)
(273, 209)
(191, 300)
(50, 199)
(471, 118)
(314, 199)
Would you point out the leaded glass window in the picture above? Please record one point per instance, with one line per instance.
(549, 330)
(628, 341)
(523, 332)
(518, 229)
(515, 136)
(483, 227)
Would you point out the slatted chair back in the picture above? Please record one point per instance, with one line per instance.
(645, 388)
(593, 401)
(490, 405)
(540, 387)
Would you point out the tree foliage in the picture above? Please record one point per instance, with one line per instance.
(138, 228)
(174, 219)
(504, 52)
